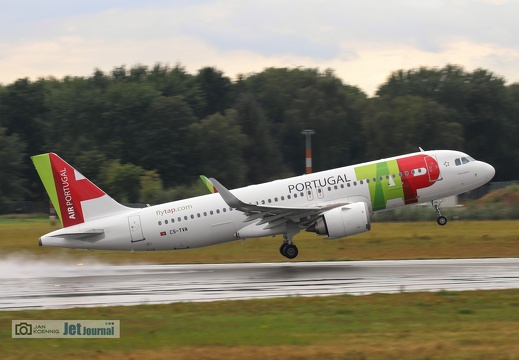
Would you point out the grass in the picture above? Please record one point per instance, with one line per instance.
(414, 240)
(441, 325)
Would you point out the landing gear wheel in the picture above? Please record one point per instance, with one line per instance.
(282, 248)
(290, 251)
(441, 220)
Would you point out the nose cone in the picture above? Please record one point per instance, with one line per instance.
(487, 171)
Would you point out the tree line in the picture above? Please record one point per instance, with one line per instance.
(144, 134)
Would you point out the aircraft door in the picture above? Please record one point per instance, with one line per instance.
(433, 170)
(134, 223)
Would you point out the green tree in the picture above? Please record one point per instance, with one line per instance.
(217, 90)
(398, 125)
(217, 144)
(477, 100)
(151, 189)
(261, 152)
(12, 156)
(297, 99)
(91, 163)
(122, 181)
(162, 141)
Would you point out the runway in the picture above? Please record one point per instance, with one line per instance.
(30, 285)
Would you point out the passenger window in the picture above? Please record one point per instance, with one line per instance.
(185, 217)
(160, 222)
(179, 218)
(211, 212)
(192, 216)
(165, 222)
(172, 221)
(198, 215)
(224, 210)
(295, 195)
(361, 182)
(205, 213)
(282, 198)
(289, 197)
(262, 202)
(217, 211)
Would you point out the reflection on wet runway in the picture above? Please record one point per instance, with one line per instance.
(27, 285)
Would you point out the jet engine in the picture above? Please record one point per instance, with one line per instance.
(343, 221)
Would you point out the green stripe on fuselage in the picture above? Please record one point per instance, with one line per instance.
(381, 190)
(44, 168)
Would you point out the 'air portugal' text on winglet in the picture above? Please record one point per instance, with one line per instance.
(333, 203)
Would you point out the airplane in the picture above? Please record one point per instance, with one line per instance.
(333, 203)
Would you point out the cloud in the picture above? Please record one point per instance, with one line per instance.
(363, 41)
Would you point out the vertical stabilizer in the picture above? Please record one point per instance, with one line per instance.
(75, 198)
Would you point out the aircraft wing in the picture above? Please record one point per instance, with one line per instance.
(274, 215)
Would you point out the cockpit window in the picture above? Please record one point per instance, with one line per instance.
(463, 160)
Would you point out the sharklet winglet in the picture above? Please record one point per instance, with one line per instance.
(208, 184)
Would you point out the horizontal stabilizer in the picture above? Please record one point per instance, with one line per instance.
(81, 235)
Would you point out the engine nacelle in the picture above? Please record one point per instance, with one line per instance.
(344, 221)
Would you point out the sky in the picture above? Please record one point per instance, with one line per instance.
(363, 41)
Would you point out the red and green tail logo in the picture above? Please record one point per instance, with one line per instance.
(66, 187)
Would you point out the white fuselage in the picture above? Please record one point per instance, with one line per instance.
(208, 220)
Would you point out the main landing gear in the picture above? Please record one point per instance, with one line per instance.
(287, 248)
(441, 220)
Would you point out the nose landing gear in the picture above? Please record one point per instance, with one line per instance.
(441, 220)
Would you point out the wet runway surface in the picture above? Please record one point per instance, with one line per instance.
(54, 285)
